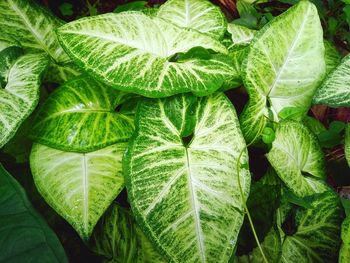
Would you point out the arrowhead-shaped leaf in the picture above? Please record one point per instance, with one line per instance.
(317, 238)
(200, 15)
(284, 66)
(32, 26)
(136, 53)
(298, 159)
(20, 95)
(25, 236)
(118, 238)
(181, 174)
(78, 186)
(81, 116)
(335, 90)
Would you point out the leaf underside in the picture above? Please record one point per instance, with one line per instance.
(181, 176)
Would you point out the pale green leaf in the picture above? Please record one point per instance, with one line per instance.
(181, 174)
(271, 246)
(32, 26)
(335, 90)
(78, 186)
(133, 52)
(85, 112)
(240, 35)
(21, 92)
(332, 56)
(344, 253)
(347, 143)
(298, 159)
(25, 236)
(118, 238)
(316, 239)
(200, 15)
(284, 66)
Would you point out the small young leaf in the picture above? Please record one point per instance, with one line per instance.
(292, 113)
(329, 139)
(337, 126)
(268, 135)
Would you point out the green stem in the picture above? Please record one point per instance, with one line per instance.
(242, 196)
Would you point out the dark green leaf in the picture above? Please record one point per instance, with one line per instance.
(132, 6)
(25, 236)
(337, 126)
(66, 9)
(329, 139)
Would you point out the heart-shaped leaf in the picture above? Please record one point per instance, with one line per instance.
(78, 186)
(335, 90)
(143, 52)
(81, 116)
(19, 97)
(284, 66)
(118, 238)
(298, 159)
(182, 180)
(32, 26)
(25, 236)
(200, 15)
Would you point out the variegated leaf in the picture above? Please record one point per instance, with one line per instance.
(316, 239)
(271, 246)
(20, 95)
(118, 238)
(81, 116)
(284, 66)
(32, 26)
(133, 52)
(181, 174)
(78, 186)
(347, 143)
(332, 56)
(62, 73)
(240, 35)
(200, 15)
(344, 253)
(335, 90)
(298, 159)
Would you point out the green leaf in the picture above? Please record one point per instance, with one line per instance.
(337, 126)
(276, 75)
(25, 236)
(268, 135)
(78, 186)
(332, 56)
(32, 26)
(61, 73)
(240, 35)
(131, 6)
(335, 90)
(85, 111)
(200, 15)
(314, 125)
(20, 96)
(271, 246)
(66, 9)
(344, 253)
(298, 159)
(329, 139)
(140, 48)
(347, 143)
(346, 10)
(317, 236)
(118, 238)
(181, 176)
(292, 113)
